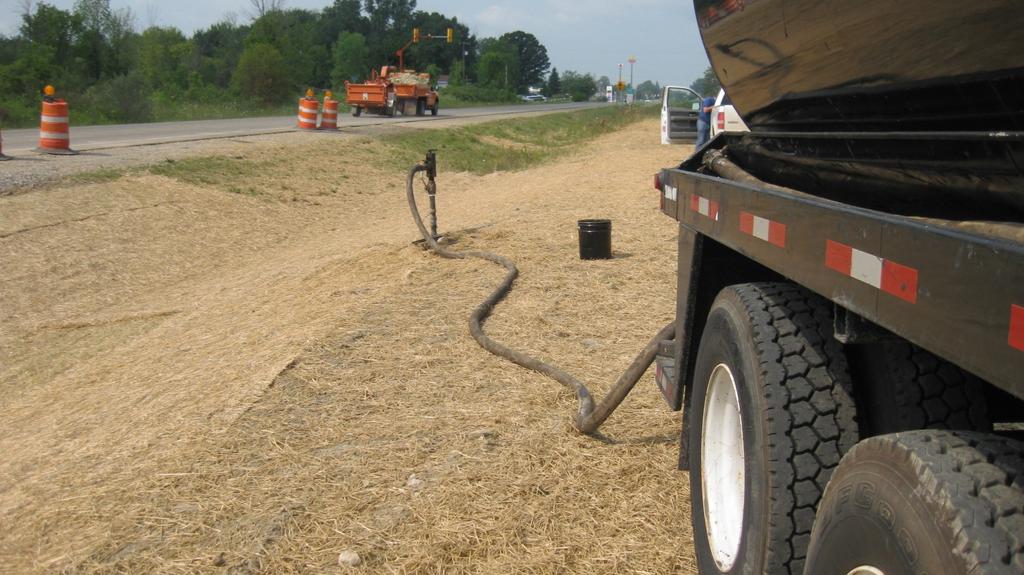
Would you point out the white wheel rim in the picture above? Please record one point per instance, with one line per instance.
(866, 570)
(722, 470)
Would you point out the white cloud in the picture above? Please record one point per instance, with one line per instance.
(493, 16)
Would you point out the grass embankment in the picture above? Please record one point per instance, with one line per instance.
(512, 144)
(503, 145)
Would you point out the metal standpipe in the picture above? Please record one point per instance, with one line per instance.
(431, 165)
(589, 416)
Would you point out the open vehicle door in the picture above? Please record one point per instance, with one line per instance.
(679, 108)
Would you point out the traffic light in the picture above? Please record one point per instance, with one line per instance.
(415, 35)
(450, 35)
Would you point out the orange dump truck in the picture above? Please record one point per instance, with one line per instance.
(391, 91)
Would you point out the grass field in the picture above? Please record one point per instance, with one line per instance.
(240, 363)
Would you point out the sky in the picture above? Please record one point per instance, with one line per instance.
(585, 36)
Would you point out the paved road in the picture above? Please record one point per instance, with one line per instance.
(118, 136)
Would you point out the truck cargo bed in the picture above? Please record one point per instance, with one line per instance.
(367, 95)
(951, 175)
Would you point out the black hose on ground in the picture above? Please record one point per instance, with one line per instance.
(588, 417)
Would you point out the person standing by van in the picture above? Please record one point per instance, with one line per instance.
(704, 121)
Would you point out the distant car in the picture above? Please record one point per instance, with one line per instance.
(535, 98)
(724, 117)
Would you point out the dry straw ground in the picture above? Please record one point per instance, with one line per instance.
(256, 373)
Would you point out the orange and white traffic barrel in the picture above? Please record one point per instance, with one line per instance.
(309, 107)
(329, 118)
(54, 134)
(2, 156)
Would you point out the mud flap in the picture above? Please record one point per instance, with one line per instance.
(685, 344)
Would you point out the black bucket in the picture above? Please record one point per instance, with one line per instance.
(595, 239)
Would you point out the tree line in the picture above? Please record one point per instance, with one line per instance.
(111, 72)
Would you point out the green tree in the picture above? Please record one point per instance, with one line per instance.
(351, 59)
(390, 26)
(53, 27)
(706, 85)
(261, 75)
(435, 73)
(580, 87)
(100, 42)
(217, 50)
(647, 90)
(25, 77)
(553, 86)
(342, 16)
(293, 34)
(498, 68)
(457, 77)
(163, 58)
(532, 57)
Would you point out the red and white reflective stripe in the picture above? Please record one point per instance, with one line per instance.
(54, 119)
(54, 135)
(888, 276)
(308, 110)
(307, 120)
(704, 206)
(763, 228)
(1017, 327)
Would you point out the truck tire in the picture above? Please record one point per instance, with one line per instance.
(433, 109)
(772, 413)
(421, 107)
(928, 501)
(357, 111)
(905, 388)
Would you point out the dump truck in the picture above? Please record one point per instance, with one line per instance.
(849, 348)
(393, 90)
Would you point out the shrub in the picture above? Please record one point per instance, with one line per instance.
(17, 113)
(478, 94)
(123, 99)
(261, 74)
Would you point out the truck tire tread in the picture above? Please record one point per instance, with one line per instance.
(936, 394)
(810, 408)
(972, 483)
(990, 511)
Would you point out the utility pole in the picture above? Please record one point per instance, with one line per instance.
(622, 95)
(632, 88)
(465, 74)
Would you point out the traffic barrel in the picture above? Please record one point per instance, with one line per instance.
(54, 134)
(329, 118)
(308, 109)
(2, 156)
